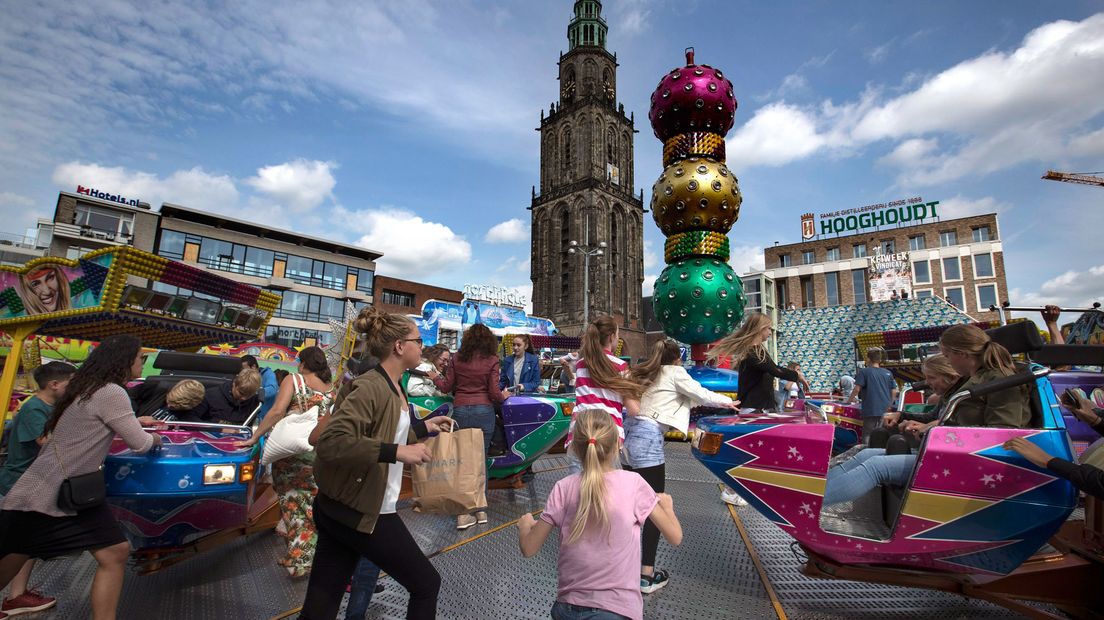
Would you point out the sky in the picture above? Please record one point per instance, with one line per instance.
(408, 127)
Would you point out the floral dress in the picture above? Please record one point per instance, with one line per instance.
(293, 481)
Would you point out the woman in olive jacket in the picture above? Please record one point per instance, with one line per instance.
(360, 453)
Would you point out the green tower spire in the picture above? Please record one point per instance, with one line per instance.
(588, 27)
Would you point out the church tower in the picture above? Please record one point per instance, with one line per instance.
(586, 190)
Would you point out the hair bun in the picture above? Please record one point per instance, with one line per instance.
(369, 320)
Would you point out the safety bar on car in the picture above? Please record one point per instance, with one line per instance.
(252, 415)
(200, 425)
(1011, 381)
(1011, 308)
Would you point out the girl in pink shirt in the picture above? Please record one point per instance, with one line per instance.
(599, 514)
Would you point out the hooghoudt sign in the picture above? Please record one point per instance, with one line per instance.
(495, 294)
(892, 213)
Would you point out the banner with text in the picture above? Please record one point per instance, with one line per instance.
(890, 276)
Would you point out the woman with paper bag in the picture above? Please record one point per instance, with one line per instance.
(358, 467)
(452, 481)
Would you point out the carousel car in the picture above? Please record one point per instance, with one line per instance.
(532, 423)
(971, 512)
(171, 501)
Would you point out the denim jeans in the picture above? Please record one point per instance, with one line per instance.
(477, 416)
(567, 611)
(865, 471)
(364, 586)
(643, 443)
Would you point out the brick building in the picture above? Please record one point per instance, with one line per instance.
(959, 260)
(407, 297)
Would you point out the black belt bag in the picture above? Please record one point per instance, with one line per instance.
(81, 492)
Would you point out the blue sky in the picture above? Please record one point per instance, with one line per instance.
(408, 126)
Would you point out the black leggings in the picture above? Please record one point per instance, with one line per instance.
(655, 476)
(390, 546)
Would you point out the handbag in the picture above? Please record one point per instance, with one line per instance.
(290, 435)
(81, 492)
(452, 482)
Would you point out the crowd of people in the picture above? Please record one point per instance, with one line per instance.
(338, 502)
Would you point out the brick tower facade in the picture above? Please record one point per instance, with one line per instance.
(586, 191)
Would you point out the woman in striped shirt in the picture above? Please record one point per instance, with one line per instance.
(601, 379)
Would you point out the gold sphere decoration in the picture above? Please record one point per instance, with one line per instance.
(696, 194)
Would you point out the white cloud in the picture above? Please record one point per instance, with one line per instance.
(511, 231)
(524, 266)
(194, 188)
(1038, 102)
(958, 206)
(651, 257)
(1072, 289)
(11, 199)
(746, 258)
(877, 54)
(649, 284)
(778, 134)
(300, 185)
(412, 247)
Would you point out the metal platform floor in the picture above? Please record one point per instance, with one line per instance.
(713, 575)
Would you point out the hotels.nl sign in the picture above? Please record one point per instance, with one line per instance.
(911, 210)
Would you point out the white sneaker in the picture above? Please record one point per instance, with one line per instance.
(729, 496)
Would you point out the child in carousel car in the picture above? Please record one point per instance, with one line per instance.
(973, 355)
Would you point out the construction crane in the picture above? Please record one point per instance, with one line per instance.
(1074, 177)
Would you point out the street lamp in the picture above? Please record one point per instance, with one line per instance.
(587, 252)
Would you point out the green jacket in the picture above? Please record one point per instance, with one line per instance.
(1010, 408)
(354, 452)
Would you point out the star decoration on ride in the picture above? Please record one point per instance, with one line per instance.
(806, 509)
(344, 339)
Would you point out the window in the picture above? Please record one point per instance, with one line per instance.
(222, 255)
(887, 246)
(923, 293)
(831, 288)
(783, 294)
(916, 242)
(955, 297)
(983, 265)
(308, 307)
(171, 244)
(753, 292)
(106, 222)
(982, 233)
(258, 262)
(396, 298)
(858, 250)
(808, 258)
(952, 268)
(986, 296)
(807, 296)
(364, 280)
(948, 238)
(832, 254)
(784, 260)
(858, 281)
(74, 252)
(921, 272)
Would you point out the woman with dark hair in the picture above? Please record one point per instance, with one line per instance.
(94, 408)
(670, 392)
(522, 369)
(472, 378)
(361, 452)
(293, 476)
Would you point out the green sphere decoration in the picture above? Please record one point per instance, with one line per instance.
(698, 300)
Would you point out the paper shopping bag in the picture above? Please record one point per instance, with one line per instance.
(452, 482)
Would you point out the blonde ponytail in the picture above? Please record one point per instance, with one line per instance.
(971, 340)
(595, 444)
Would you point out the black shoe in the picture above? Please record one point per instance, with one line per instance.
(379, 588)
(497, 451)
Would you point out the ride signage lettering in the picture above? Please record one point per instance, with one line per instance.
(494, 294)
(877, 215)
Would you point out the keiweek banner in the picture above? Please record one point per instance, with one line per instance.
(890, 276)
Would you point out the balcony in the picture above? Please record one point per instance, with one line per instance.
(75, 231)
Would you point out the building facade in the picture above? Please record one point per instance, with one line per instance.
(83, 223)
(958, 260)
(314, 277)
(586, 194)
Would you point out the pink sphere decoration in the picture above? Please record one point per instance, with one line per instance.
(692, 98)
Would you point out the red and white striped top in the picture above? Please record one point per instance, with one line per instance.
(589, 395)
